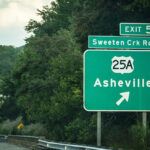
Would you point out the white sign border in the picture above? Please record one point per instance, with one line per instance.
(84, 80)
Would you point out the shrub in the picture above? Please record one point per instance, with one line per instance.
(10, 127)
(138, 137)
(34, 129)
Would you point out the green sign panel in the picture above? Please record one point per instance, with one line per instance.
(117, 80)
(135, 29)
(119, 42)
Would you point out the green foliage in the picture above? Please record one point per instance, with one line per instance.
(138, 137)
(10, 127)
(33, 73)
(7, 89)
(66, 100)
(53, 19)
(36, 129)
(137, 5)
(8, 55)
(82, 130)
(116, 136)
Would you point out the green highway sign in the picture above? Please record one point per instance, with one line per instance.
(135, 29)
(119, 42)
(116, 80)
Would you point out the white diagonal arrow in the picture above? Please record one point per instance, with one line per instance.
(125, 96)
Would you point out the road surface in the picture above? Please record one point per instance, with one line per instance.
(6, 146)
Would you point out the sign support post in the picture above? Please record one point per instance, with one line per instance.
(144, 119)
(99, 125)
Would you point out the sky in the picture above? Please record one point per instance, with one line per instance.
(14, 16)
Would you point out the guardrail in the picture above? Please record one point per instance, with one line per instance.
(3, 138)
(34, 143)
(63, 146)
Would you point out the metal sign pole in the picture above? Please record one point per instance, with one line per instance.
(99, 128)
(144, 119)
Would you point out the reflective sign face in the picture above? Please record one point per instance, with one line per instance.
(135, 29)
(116, 80)
(119, 42)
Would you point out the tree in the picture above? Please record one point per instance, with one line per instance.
(53, 18)
(8, 56)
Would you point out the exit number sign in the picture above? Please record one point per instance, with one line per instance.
(135, 29)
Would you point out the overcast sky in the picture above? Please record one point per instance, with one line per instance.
(14, 16)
